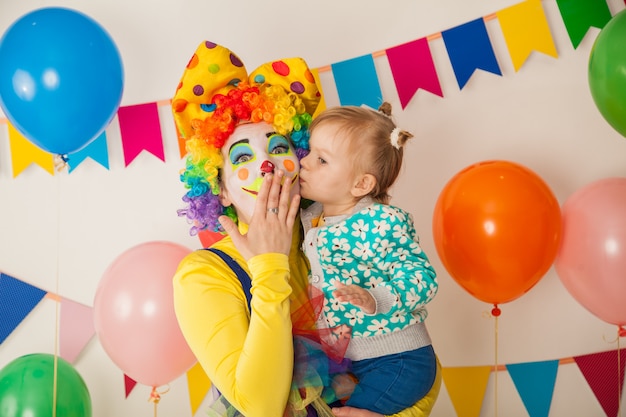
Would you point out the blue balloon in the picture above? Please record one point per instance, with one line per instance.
(61, 79)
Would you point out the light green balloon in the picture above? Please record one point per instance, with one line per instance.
(607, 72)
(27, 387)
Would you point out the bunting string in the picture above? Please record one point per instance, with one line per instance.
(469, 48)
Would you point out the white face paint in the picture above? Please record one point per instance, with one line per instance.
(252, 150)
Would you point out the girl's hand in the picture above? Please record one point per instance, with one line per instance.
(271, 226)
(355, 295)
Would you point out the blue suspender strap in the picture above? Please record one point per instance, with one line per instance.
(243, 276)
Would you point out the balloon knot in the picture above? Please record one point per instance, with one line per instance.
(621, 332)
(496, 311)
(155, 396)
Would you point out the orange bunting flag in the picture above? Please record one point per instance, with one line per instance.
(199, 385)
(525, 29)
(24, 153)
(466, 387)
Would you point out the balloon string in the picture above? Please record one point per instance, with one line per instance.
(57, 307)
(496, 313)
(620, 332)
(155, 397)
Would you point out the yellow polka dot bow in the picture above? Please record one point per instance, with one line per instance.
(214, 69)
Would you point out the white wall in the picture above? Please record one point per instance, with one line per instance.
(63, 231)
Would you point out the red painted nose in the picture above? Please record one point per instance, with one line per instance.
(267, 168)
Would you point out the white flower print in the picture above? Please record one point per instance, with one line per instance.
(400, 233)
(379, 326)
(350, 277)
(384, 247)
(432, 290)
(402, 253)
(332, 319)
(340, 244)
(373, 282)
(330, 269)
(367, 270)
(362, 250)
(412, 298)
(322, 239)
(370, 211)
(360, 228)
(338, 229)
(335, 305)
(324, 254)
(342, 258)
(381, 227)
(354, 316)
(392, 213)
(397, 317)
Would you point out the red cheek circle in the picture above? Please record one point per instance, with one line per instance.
(243, 174)
(289, 165)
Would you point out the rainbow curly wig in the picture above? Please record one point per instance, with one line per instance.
(214, 95)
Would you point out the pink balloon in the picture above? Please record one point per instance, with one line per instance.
(134, 314)
(591, 261)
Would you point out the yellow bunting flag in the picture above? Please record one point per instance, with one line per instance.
(24, 153)
(525, 29)
(466, 387)
(322, 104)
(199, 384)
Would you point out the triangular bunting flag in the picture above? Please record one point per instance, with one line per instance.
(412, 67)
(469, 49)
(140, 129)
(322, 104)
(466, 387)
(96, 150)
(525, 29)
(579, 15)
(604, 373)
(129, 384)
(76, 328)
(182, 147)
(17, 300)
(357, 82)
(535, 384)
(24, 153)
(198, 384)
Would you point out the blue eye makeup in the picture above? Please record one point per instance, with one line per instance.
(278, 145)
(240, 153)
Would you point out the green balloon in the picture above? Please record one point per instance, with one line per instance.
(26, 388)
(607, 72)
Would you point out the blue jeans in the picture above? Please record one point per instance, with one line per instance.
(391, 383)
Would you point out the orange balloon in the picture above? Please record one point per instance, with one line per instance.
(497, 228)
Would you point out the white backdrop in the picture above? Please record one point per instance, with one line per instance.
(61, 232)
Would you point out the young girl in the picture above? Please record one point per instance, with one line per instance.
(365, 256)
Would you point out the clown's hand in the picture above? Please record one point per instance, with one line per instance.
(271, 227)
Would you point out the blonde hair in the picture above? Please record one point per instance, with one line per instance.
(369, 133)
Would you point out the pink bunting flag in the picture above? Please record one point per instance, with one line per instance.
(604, 373)
(140, 129)
(412, 67)
(129, 384)
(76, 329)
